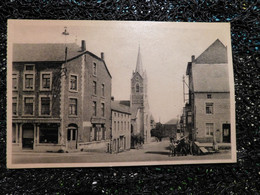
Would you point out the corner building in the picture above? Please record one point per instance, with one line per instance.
(61, 98)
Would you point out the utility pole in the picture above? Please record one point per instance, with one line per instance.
(65, 33)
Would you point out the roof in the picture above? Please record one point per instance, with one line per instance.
(125, 102)
(49, 52)
(172, 122)
(44, 52)
(210, 78)
(216, 53)
(139, 66)
(116, 106)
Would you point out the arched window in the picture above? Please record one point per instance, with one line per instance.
(137, 88)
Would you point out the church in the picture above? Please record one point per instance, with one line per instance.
(140, 123)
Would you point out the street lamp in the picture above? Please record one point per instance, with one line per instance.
(65, 33)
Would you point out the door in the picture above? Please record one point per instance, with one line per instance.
(226, 133)
(28, 136)
(72, 135)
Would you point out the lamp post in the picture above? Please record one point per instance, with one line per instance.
(65, 33)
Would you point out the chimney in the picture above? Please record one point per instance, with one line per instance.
(102, 56)
(192, 58)
(83, 45)
(112, 98)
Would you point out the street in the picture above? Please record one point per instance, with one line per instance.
(154, 151)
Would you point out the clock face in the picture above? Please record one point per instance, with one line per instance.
(137, 78)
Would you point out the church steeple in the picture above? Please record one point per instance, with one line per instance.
(139, 66)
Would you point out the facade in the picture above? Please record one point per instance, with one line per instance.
(141, 123)
(121, 127)
(207, 112)
(61, 98)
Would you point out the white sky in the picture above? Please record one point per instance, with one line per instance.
(166, 49)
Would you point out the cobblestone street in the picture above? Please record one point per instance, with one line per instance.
(155, 151)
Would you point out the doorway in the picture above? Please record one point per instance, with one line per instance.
(28, 136)
(72, 136)
(226, 133)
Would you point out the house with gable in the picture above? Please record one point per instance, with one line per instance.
(207, 112)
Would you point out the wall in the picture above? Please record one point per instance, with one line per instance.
(221, 114)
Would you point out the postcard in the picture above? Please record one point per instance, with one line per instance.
(119, 93)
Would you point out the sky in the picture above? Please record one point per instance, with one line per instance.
(166, 48)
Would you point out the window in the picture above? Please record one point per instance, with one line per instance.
(94, 106)
(137, 88)
(73, 82)
(29, 81)
(122, 127)
(46, 81)
(48, 133)
(72, 134)
(15, 81)
(45, 106)
(28, 77)
(94, 69)
(73, 106)
(208, 96)
(14, 133)
(209, 108)
(29, 67)
(209, 129)
(118, 125)
(15, 110)
(103, 90)
(102, 109)
(114, 125)
(28, 106)
(94, 87)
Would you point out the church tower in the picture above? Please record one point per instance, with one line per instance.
(139, 101)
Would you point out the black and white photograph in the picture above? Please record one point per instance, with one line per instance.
(119, 93)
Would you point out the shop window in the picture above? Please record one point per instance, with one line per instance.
(48, 134)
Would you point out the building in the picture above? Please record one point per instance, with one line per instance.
(61, 97)
(141, 123)
(121, 127)
(207, 112)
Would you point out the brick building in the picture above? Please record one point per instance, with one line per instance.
(207, 112)
(121, 127)
(60, 102)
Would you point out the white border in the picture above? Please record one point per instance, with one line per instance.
(10, 33)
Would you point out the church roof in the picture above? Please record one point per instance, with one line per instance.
(139, 65)
(216, 53)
